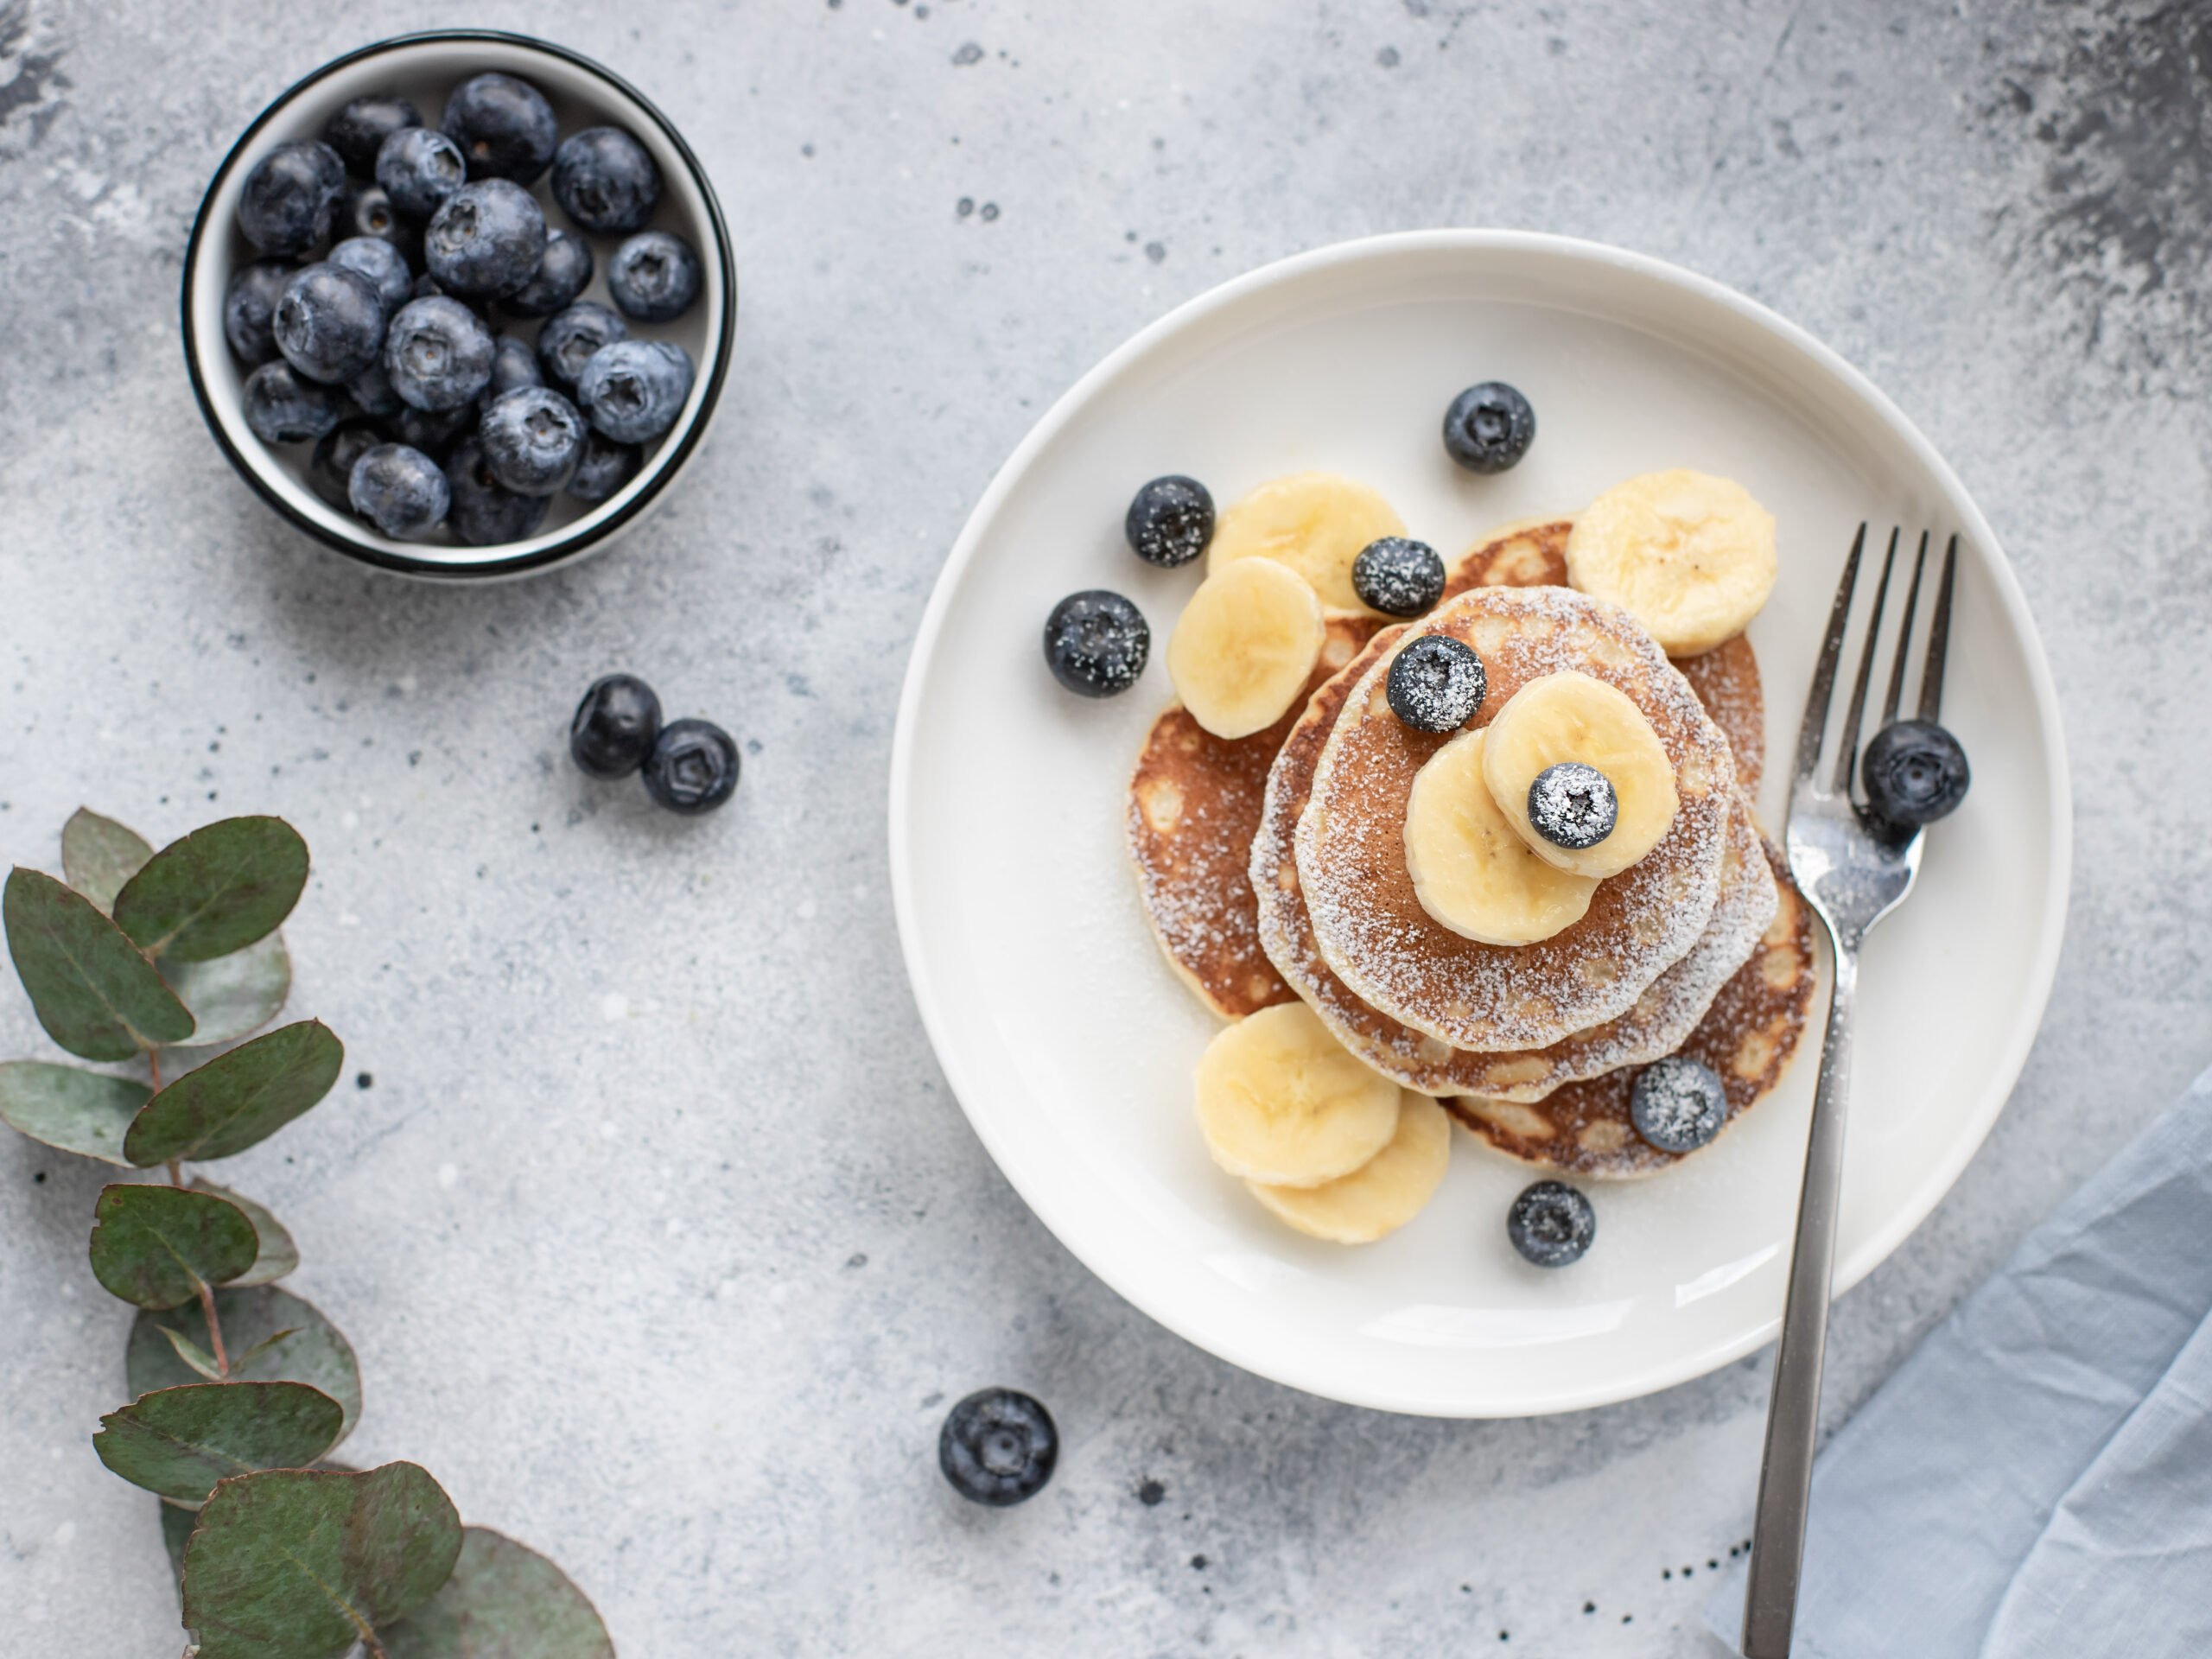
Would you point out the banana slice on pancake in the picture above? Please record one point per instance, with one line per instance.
(1383, 1194)
(1315, 524)
(1281, 1102)
(1472, 870)
(1569, 716)
(1245, 646)
(1689, 556)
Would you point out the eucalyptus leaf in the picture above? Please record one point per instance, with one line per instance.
(98, 855)
(300, 1564)
(179, 1442)
(314, 1353)
(94, 992)
(177, 1523)
(218, 890)
(157, 1246)
(193, 1355)
(69, 1108)
(278, 1255)
(503, 1601)
(235, 995)
(240, 1098)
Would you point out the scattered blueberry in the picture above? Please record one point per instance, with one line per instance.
(606, 181)
(605, 467)
(514, 366)
(614, 728)
(1678, 1103)
(503, 126)
(998, 1447)
(563, 272)
(693, 766)
(358, 131)
(1551, 1224)
(290, 197)
(1572, 805)
(368, 210)
(329, 323)
(532, 440)
(420, 170)
(1170, 521)
(633, 389)
(1489, 427)
(373, 394)
(568, 341)
(1914, 773)
(438, 353)
(487, 240)
(382, 265)
(250, 307)
(1096, 643)
(1398, 577)
(399, 490)
(485, 513)
(330, 471)
(1436, 683)
(653, 276)
(434, 431)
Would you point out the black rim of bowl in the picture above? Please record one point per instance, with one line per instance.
(571, 545)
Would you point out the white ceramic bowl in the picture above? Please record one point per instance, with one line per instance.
(424, 68)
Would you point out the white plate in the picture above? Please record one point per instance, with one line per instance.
(1071, 1044)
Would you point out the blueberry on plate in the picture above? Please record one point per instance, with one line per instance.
(1436, 683)
(532, 440)
(1096, 643)
(1914, 773)
(998, 1447)
(503, 126)
(330, 471)
(606, 181)
(1398, 577)
(563, 272)
(1551, 1224)
(290, 197)
(487, 239)
(569, 340)
(633, 389)
(250, 308)
(372, 393)
(653, 276)
(382, 265)
(604, 468)
(1489, 427)
(358, 131)
(1170, 521)
(434, 431)
(283, 406)
(329, 323)
(368, 211)
(1572, 805)
(438, 353)
(614, 728)
(485, 512)
(1678, 1105)
(693, 766)
(419, 170)
(400, 491)
(514, 366)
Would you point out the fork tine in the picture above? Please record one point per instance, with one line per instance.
(1846, 753)
(1816, 700)
(1939, 638)
(1904, 636)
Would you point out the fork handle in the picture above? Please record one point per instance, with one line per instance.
(1794, 1416)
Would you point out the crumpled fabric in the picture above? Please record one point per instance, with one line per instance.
(2036, 1481)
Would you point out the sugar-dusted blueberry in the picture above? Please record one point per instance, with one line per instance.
(532, 440)
(653, 276)
(693, 766)
(329, 323)
(514, 366)
(1398, 577)
(485, 512)
(419, 170)
(330, 469)
(503, 126)
(438, 353)
(1489, 427)
(998, 1447)
(401, 490)
(368, 211)
(250, 308)
(569, 339)
(382, 265)
(563, 272)
(373, 393)
(614, 728)
(291, 196)
(605, 467)
(606, 181)
(434, 431)
(1436, 683)
(1170, 521)
(283, 406)
(1572, 805)
(1096, 643)
(487, 240)
(1678, 1105)
(1915, 772)
(358, 131)
(633, 389)
(1551, 1224)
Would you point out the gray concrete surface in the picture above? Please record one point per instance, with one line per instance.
(660, 1238)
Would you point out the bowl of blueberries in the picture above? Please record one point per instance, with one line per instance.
(459, 304)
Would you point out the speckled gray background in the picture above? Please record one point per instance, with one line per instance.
(659, 1236)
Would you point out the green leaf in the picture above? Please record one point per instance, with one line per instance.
(177, 1523)
(299, 1564)
(314, 1353)
(98, 855)
(193, 1355)
(503, 1601)
(278, 1254)
(220, 888)
(69, 1108)
(232, 997)
(238, 1099)
(179, 1442)
(156, 1246)
(94, 993)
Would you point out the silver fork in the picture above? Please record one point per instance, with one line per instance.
(1853, 869)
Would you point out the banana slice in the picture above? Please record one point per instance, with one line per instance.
(1383, 1194)
(1281, 1101)
(1570, 716)
(1689, 556)
(1315, 524)
(1245, 646)
(1472, 871)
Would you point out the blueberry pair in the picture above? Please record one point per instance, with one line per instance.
(689, 766)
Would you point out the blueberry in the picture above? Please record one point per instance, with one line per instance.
(400, 491)
(487, 240)
(503, 126)
(382, 265)
(693, 766)
(1096, 643)
(606, 181)
(653, 276)
(1572, 805)
(485, 513)
(1170, 521)
(282, 407)
(1914, 773)
(532, 440)
(566, 342)
(1397, 576)
(1678, 1103)
(1436, 683)
(563, 272)
(614, 725)
(290, 197)
(1551, 1223)
(514, 366)
(372, 393)
(633, 389)
(368, 210)
(1489, 427)
(605, 467)
(330, 471)
(358, 131)
(426, 287)
(438, 353)
(419, 170)
(250, 307)
(434, 431)
(329, 323)
(998, 1447)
